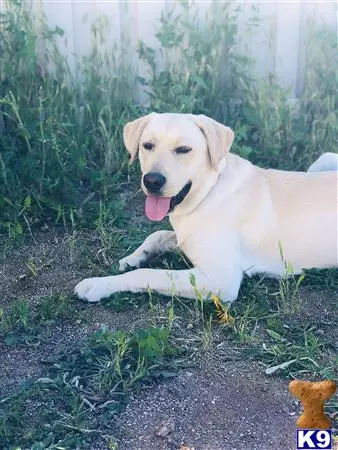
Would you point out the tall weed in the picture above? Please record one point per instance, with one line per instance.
(60, 141)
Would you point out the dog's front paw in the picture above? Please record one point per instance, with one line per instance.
(94, 289)
(129, 261)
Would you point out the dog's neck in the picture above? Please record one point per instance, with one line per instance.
(228, 170)
(194, 198)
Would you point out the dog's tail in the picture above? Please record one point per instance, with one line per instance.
(326, 162)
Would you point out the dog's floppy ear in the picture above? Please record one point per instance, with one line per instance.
(219, 137)
(132, 134)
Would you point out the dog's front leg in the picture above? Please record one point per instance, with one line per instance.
(158, 242)
(166, 282)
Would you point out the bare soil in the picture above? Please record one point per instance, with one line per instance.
(220, 405)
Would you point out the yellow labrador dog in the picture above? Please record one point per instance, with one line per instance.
(229, 216)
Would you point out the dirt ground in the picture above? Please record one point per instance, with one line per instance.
(220, 403)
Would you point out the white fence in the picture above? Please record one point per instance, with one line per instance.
(278, 47)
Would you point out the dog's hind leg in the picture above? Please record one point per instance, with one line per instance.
(326, 162)
(158, 242)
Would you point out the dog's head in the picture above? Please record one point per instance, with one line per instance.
(181, 156)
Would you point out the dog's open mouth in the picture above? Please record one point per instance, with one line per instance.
(157, 207)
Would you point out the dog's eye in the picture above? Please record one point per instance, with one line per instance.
(180, 150)
(148, 145)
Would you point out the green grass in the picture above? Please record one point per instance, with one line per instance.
(20, 324)
(285, 337)
(62, 152)
(62, 161)
(83, 387)
(63, 146)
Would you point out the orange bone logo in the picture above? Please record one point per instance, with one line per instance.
(313, 395)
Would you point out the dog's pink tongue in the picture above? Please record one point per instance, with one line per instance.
(157, 207)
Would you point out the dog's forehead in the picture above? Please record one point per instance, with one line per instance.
(174, 128)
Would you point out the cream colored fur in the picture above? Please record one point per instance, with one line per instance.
(235, 217)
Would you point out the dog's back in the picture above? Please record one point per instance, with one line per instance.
(326, 162)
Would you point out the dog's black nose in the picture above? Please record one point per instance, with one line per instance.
(154, 181)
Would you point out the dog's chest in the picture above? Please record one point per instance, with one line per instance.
(187, 227)
(197, 236)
